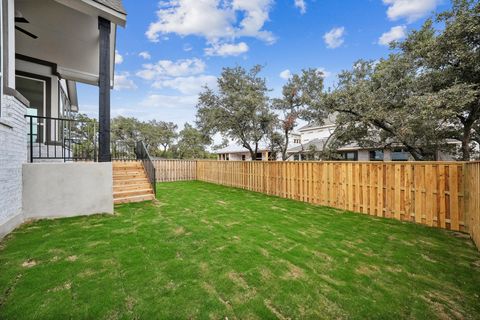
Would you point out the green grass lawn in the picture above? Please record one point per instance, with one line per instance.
(205, 251)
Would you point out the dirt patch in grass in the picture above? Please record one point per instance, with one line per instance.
(72, 258)
(30, 263)
(266, 274)
(66, 286)
(443, 307)
(294, 272)
(274, 310)
(238, 280)
(427, 258)
(367, 270)
(264, 252)
(130, 303)
(179, 231)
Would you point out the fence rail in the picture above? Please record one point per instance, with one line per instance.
(438, 194)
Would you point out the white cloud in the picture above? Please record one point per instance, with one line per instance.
(324, 72)
(285, 74)
(300, 4)
(187, 47)
(220, 22)
(167, 101)
(184, 75)
(409, 9)
(145, 55)
(227, 49)
(334, 37)
(168, 68)
(186, 85)
(118, 57)
(122, 81)
(394, 34)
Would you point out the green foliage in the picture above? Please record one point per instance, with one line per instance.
(301, 92)
(204, 251)
(84, 136)
(239, 110)
(420, 96)
(192, 144)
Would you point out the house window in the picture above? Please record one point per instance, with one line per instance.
(296, 140)
(350, 156)
(227, 157)
(244, 157)
(400, 154)
(376, 155)
(259, 156)
(296, 157)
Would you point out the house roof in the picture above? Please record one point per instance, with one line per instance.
(329, 121)
(116, 5)
(316, 144)
(235, 148)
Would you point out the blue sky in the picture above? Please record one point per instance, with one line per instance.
(169, 49)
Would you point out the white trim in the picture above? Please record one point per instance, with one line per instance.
(79, 76)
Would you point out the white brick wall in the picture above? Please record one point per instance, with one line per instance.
(13, 153)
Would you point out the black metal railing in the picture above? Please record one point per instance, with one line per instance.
(61, 139)
(71, 140)
(122, 150)
(142, 154)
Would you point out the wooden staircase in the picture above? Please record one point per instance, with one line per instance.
(130, 182)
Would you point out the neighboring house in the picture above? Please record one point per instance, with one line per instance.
(312, 139)
(316, 137)
(47, 47)
(235, 152)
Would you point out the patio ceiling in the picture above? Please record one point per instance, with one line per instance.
(68, 36)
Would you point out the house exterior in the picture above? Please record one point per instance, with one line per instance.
(235, 152)
(315, 137)
(46, 48)
(311, 139)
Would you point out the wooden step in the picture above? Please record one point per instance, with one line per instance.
(123, 182)
(148, 197)
(131, 193)
(130, 182)
(130, 172)
(129, 176)
(132, 186)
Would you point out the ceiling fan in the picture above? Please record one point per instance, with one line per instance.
(19, 18)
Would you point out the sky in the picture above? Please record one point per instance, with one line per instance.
(170, 49)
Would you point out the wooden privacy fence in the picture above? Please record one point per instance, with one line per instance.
(428, 193)
(472, 200)
(175, 170)
(437, 194)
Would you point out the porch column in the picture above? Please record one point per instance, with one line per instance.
(104, 92)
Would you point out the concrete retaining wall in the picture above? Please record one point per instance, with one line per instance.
(52, 190)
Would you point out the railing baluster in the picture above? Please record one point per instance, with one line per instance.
(31, 140)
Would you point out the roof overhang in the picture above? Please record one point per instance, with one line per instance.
(68, 36)
(93, 8)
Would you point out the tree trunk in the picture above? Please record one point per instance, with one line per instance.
(285, 147)
(467, 134)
